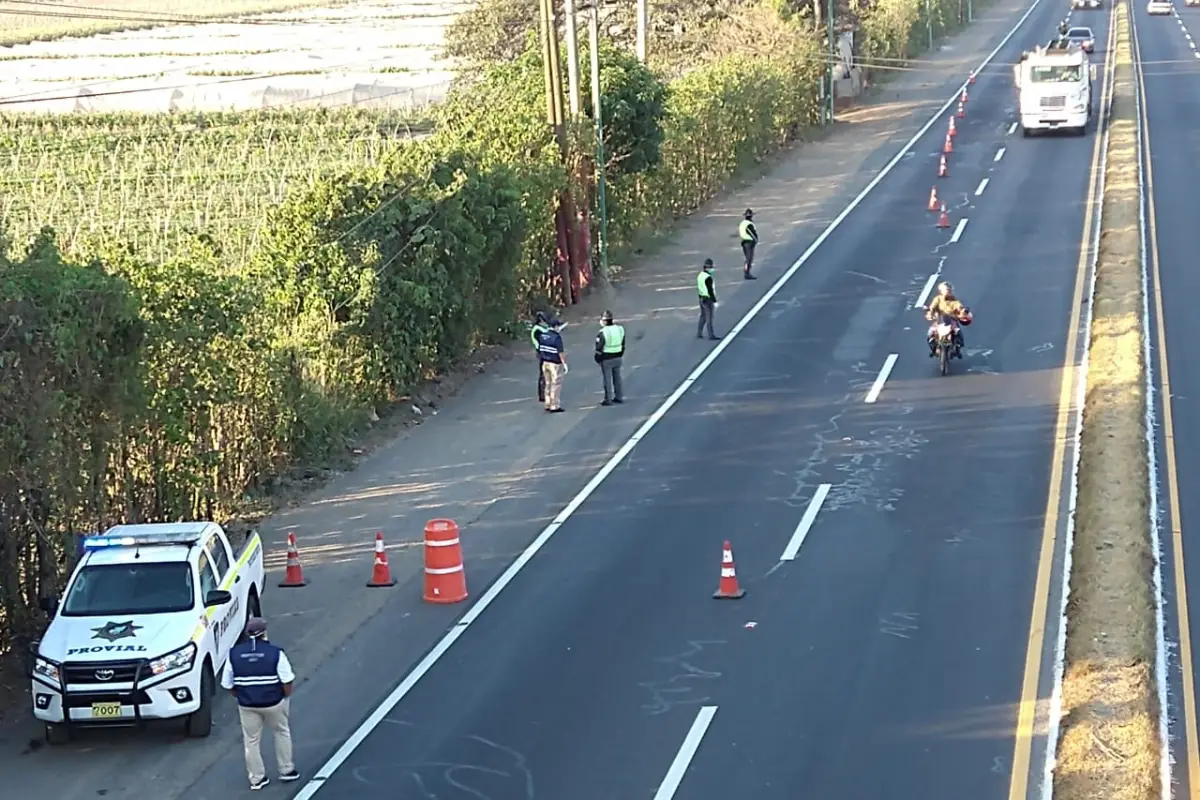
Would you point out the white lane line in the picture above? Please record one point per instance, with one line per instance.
(979, 189)
(958, 230)
(439, 650)
(877, 387)
(806, 522)
(925, 292)
(1011, 130)
(687, 751)
(1000, 152)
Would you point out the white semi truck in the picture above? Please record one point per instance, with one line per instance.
(1054, 84)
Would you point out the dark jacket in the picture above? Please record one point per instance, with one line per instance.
(550, 347)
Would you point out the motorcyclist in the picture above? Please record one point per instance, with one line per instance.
(946, 304)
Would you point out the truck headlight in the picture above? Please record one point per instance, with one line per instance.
(178, 659)
(1080, 106)
(47, 670)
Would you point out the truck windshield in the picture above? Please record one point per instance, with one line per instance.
(144, 588)
(1055, 74)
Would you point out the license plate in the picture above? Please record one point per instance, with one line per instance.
(106, 710)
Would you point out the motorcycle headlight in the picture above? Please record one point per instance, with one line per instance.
(46, 669)
(178, 659)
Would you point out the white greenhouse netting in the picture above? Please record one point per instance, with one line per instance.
(374, 54)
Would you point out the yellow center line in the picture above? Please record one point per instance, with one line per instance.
(1027, 715)
(1187, 679)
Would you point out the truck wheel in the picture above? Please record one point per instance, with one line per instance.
(1026, 132)
(199, 723)
(254, 605)
(57, 733)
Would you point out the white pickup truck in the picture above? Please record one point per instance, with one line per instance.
(146, 623)
(1055, 88)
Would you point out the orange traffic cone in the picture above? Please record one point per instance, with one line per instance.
(962, 111)
(943, 170)
(445, 576)
(381, 574)
(971, 78)
(953, 131)
(963, 99)
(949, 146)
(728, 588)
(934, 205)
(293, 576)
(943, 218)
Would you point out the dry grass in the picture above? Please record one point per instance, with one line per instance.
(1109, 744)
(86, 17)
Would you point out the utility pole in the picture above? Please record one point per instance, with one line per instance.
(643, 15)
(832, 52)
(929, 24)
(567, 259)
(553, 74)
(601, 204)
(572, 58)
(970, 11)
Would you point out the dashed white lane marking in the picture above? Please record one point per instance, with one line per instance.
(414, 676)
(1011, 130)
(1000, 152)
(925, 292)
(979, 189)
(806, 522)
(877, 387)
(958, 230)
(687, 751)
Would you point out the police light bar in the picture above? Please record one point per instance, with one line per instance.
(140, 540)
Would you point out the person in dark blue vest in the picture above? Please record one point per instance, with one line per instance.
(260, 676)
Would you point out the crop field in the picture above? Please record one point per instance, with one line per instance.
(150, 179)
(41, 21)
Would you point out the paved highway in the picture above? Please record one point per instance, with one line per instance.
(888, 658)
(1171, 85)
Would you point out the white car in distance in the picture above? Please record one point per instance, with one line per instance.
(1159, 8)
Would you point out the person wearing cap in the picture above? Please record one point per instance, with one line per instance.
(749, 236)
(260, 676)
(708, 300)
(553, 357)
(610, 347)
(540, 325)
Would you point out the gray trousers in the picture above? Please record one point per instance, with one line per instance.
(610, 368)
(706, 319)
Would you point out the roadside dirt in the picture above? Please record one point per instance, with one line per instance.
(1109, 740)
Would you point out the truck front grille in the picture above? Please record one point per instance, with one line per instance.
(1058, 101)
(77, 672)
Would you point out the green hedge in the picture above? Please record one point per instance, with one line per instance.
(143, 389)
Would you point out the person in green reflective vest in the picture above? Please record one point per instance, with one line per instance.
(610, 347)
(708, 300)
(749, 236)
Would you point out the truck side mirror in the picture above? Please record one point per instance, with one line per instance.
(1092, 71)
(48, 604)
(217, 597)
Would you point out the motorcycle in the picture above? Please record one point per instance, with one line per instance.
(944, 333)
